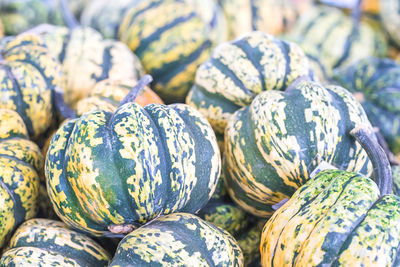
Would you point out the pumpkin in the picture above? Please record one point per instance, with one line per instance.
(272, 146)
(178, 239)
(376, 85)
(20, 162)
(396, 179)
(105, 16)
(389, 14)
(238, 71)
(338, 218)
(107, 94)
(29, 77)
(87, 59)
(270, 16)
(108, 173)
(335, 38)
(249, 242)
(172, 38)
(43, 242)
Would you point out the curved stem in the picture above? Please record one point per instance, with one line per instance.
(63, 107)
(67, 15)
(380, 162)
(131, 96)
(357, 11)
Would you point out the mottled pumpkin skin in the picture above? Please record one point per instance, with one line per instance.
(107, 95)
(172, 38)
(29, 75)
(20, 160)
(269, 16)
(390, 16)
(396, 180)
(336, 219)
(272, 146)
(87, 59)
(42, 242)
(178, 239)
(108, 169)
(376, 85)
(238, 71)
(331, 36)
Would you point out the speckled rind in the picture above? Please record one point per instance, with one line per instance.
(336, 219)
(171, 38)
(40, 240)
(376, 85)
(178, 239)
(87, 59)
(238, 71)
(28, 79)
(20, 161)
(129, 167)
(272, 146)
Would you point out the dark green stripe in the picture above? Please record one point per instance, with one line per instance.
(151, 5)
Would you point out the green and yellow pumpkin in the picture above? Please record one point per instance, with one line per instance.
(335, 38)
(338, 218)
(87, 59)
(272, 146)
(396, 180)
(110, 173)
(20, 161)
(270, 16)
(390, 16)
(238, 71)
(178, 239)
(29, 77)
(376, 85)
(43, 242)
(172, 38)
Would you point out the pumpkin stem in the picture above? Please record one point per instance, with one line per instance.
(297, 81)
(357, 11)
(382, 171)
(382, 142)
(131, 96)
(68, 17)
(63, 107)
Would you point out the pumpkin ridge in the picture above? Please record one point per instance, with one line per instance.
(144, 42)
(347, 46)
(106, 65)
(285, 48)
(312, 22)
(21, 105)
(64, 46)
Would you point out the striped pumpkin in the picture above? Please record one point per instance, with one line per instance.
(107, 94)
(29, 77)
(238, 71)
(87, 59)
(335, 38)
(20, 161)
(390, 16)
(337, 218)
(105, 16)
(376, 85)
(396, 180)
(178, 239)
(272, 146)
(109, 172)
(42, 242)
(269, 16)
(172, 38)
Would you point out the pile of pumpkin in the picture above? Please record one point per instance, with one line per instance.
(278, 147)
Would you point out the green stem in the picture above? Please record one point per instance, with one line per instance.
(381, 166)
(131, 96)
(67, 15)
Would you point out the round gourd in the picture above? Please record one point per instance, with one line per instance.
(108, 173)
(238, 71)
(20, 161)
(269, 16)
(178, 239)
(42, 242)
(376, 85)
(172, 38)
(338, 218)
(390, 16)
(107, 94)
(335, 38)
(87, 59)
(29, 77)
(272, 146)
